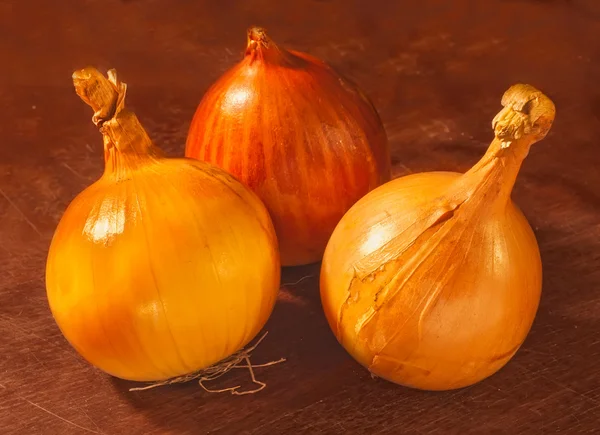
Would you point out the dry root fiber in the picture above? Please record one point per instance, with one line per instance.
(239, 360)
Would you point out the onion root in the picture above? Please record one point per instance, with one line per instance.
(239, 360)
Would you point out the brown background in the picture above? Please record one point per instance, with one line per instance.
(436, 70)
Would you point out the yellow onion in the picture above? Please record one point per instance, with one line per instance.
(433, 280)
(163, 266)
(304, 138)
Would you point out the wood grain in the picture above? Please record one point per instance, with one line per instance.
(435, 70)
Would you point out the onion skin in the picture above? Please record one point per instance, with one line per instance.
(148, 274)
(305, 139)
(433, 280)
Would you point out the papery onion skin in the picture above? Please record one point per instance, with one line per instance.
(304, 138)
(433, 280)
(163, 266)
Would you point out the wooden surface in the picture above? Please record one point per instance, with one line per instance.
(436, 71)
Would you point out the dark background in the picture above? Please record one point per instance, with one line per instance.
(436, 70)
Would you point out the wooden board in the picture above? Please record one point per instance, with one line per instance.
(436, 71)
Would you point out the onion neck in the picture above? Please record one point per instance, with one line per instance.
(126, 143)
(525, 119)
(494, 176)
(262, 48)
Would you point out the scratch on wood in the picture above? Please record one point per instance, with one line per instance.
(406, 168)
(90, 419)
(22, 283)
(37, 359)
(73, 171)
(53, 414)
(11, 326)
(61, 418)
(20, 212)
(571, 390)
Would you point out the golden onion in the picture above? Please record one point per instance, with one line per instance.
(433, 280)
(163, 266)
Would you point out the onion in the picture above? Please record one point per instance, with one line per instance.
(304, 138)
(433, 280)
(162, 267)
